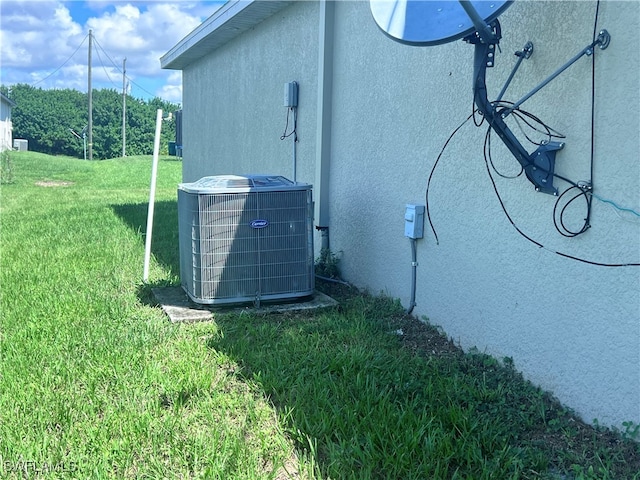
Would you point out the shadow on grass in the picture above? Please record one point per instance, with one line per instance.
(362, 406)
(164, 245)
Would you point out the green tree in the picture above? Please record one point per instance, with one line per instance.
(47, 118)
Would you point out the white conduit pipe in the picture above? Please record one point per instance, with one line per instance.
(152, 197)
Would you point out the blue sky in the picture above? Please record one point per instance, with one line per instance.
(45, 43)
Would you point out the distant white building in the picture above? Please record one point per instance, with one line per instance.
(6, 127)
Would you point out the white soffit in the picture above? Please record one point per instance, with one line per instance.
(233, 18)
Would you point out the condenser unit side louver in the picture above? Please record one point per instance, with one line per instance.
(245, 239)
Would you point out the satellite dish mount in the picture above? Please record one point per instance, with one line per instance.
(419, 22)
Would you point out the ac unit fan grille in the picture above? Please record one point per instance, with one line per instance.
(229, 260)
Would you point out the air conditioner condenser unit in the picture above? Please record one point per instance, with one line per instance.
(245, 239)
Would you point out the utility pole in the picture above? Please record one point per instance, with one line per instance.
(124, 108)
(90, 95)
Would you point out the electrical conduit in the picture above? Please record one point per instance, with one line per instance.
(414, 268)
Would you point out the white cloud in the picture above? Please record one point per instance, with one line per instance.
(37, 33)
(172, 90)
(171, 93)
(142, 36)
(43, 41)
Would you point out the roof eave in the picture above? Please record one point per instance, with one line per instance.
(232, 19)
(8, 100)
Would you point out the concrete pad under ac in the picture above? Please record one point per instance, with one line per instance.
(180, 308)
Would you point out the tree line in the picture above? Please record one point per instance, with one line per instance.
(52, 121)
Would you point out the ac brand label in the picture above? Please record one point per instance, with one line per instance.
(259, 223)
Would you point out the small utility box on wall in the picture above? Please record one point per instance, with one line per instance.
(414, 221)
(291, 94)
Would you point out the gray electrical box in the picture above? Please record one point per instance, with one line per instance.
(291, 94)
(414, 221)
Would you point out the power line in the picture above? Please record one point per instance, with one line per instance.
(120, 71)
(153, 95)
(102, 63)
(105, 52)
(63, 64)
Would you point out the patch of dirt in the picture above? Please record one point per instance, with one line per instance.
(424, 339)
(53, 183)
(289, 471)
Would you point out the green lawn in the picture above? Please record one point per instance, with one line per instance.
(96, 383)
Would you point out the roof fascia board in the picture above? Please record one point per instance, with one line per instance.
(7, 100)
(232, 19)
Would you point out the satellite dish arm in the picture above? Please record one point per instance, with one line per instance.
(484, 31)
(538, 166)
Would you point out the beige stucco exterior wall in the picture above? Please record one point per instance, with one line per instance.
(571, 327)
(234, 114)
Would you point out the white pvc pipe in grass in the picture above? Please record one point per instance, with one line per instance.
(152, 197)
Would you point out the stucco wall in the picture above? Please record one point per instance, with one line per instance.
(234, 114)
(571, 327)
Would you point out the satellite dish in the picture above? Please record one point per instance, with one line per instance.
(433, 22)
